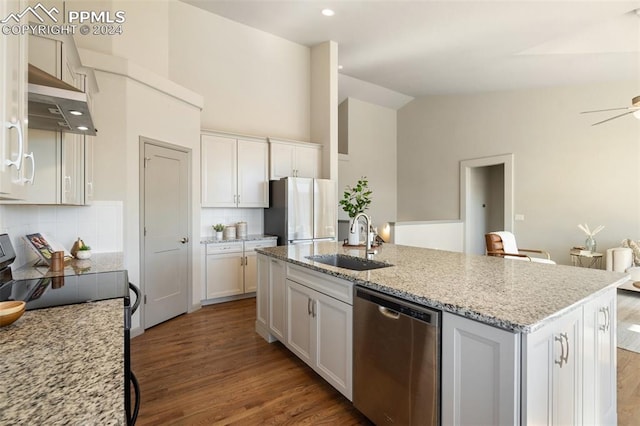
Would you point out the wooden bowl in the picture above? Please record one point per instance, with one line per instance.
(11, 311)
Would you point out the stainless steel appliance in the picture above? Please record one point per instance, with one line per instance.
(396, 360)
(301, 210)
(46, 292)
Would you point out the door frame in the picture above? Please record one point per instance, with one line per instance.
(143, 141)
(465, 190)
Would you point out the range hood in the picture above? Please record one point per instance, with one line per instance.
(56, 105)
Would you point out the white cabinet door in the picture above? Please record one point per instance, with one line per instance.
(224, 275)
(320, 332)
(72, 169)
(307, 161)
(219, 171)
(599, 364)
(234, 172)
(480, 373)
(293, 159)
(13, 108)
(250, 272)
(88, 169)
(300, 332)
(553, 375)
(250, 267)
(281, 160)
(278, 300)
(253, 188)
(333, 341)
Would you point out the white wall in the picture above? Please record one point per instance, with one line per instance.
(230, 216)
(566, 171)
(99, 226)
(253, 82)
(371, 133)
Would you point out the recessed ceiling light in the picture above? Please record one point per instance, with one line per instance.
(83, 128)
(328, 12)
(74, 112)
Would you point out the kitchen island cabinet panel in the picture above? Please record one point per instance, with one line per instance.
(599, 364)
(553, 372)
(319, 332)
(277, 299)
(480, 373)
(299, 321)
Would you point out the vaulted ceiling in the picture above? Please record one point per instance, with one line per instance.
(436, 47)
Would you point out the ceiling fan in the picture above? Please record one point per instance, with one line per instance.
(633, 109)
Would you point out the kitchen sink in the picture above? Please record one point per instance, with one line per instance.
(348, 262)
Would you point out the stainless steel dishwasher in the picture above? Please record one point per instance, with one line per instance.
(396, 360)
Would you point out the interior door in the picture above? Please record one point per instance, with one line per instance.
(166, 233)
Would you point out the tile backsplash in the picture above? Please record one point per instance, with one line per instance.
(230, 216)
(100, 226)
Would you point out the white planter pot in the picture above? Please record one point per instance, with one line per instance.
(218, 235)
(83, 254)
(354, 238)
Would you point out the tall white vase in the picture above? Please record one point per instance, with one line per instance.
(354, 238)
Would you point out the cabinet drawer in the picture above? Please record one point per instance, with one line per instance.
(252, 245)
(221, 248)
(323, 283)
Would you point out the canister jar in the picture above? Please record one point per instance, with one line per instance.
(229, 232)
(241, 229)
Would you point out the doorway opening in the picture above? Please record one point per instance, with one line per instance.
(486, 199)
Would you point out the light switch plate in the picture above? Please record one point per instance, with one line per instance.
(520, 217)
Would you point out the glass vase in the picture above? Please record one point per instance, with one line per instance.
(590, 244)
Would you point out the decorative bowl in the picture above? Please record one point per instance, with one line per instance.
(11, 311)
(83, 254)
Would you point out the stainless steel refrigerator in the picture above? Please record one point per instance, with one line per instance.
(301, 210)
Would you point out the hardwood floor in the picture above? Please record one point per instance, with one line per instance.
(210, 367)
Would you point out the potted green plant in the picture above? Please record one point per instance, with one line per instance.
(218, 227)
(356, 199)
(84, 252)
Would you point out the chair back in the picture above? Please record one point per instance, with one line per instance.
(494, 244)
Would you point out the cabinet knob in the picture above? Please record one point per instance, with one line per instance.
(184, 240)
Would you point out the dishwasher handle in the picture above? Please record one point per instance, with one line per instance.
(392, 307)
(388, 313)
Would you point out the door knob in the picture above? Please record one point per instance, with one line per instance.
(184, 240)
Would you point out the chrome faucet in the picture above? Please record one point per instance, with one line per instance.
(368, 253)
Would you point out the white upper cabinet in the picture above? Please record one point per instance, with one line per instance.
(63, 163)
(297, 159)
(234, 171)
(16, 163)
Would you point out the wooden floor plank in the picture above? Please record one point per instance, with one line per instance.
(211, 368)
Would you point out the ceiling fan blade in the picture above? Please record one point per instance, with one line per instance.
(604, 110)
(613, 118)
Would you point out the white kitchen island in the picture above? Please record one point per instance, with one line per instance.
(522, 343)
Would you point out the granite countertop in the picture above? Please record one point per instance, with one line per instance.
(99, 262)
(64, 366)
(250, 237)
(511, 294)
